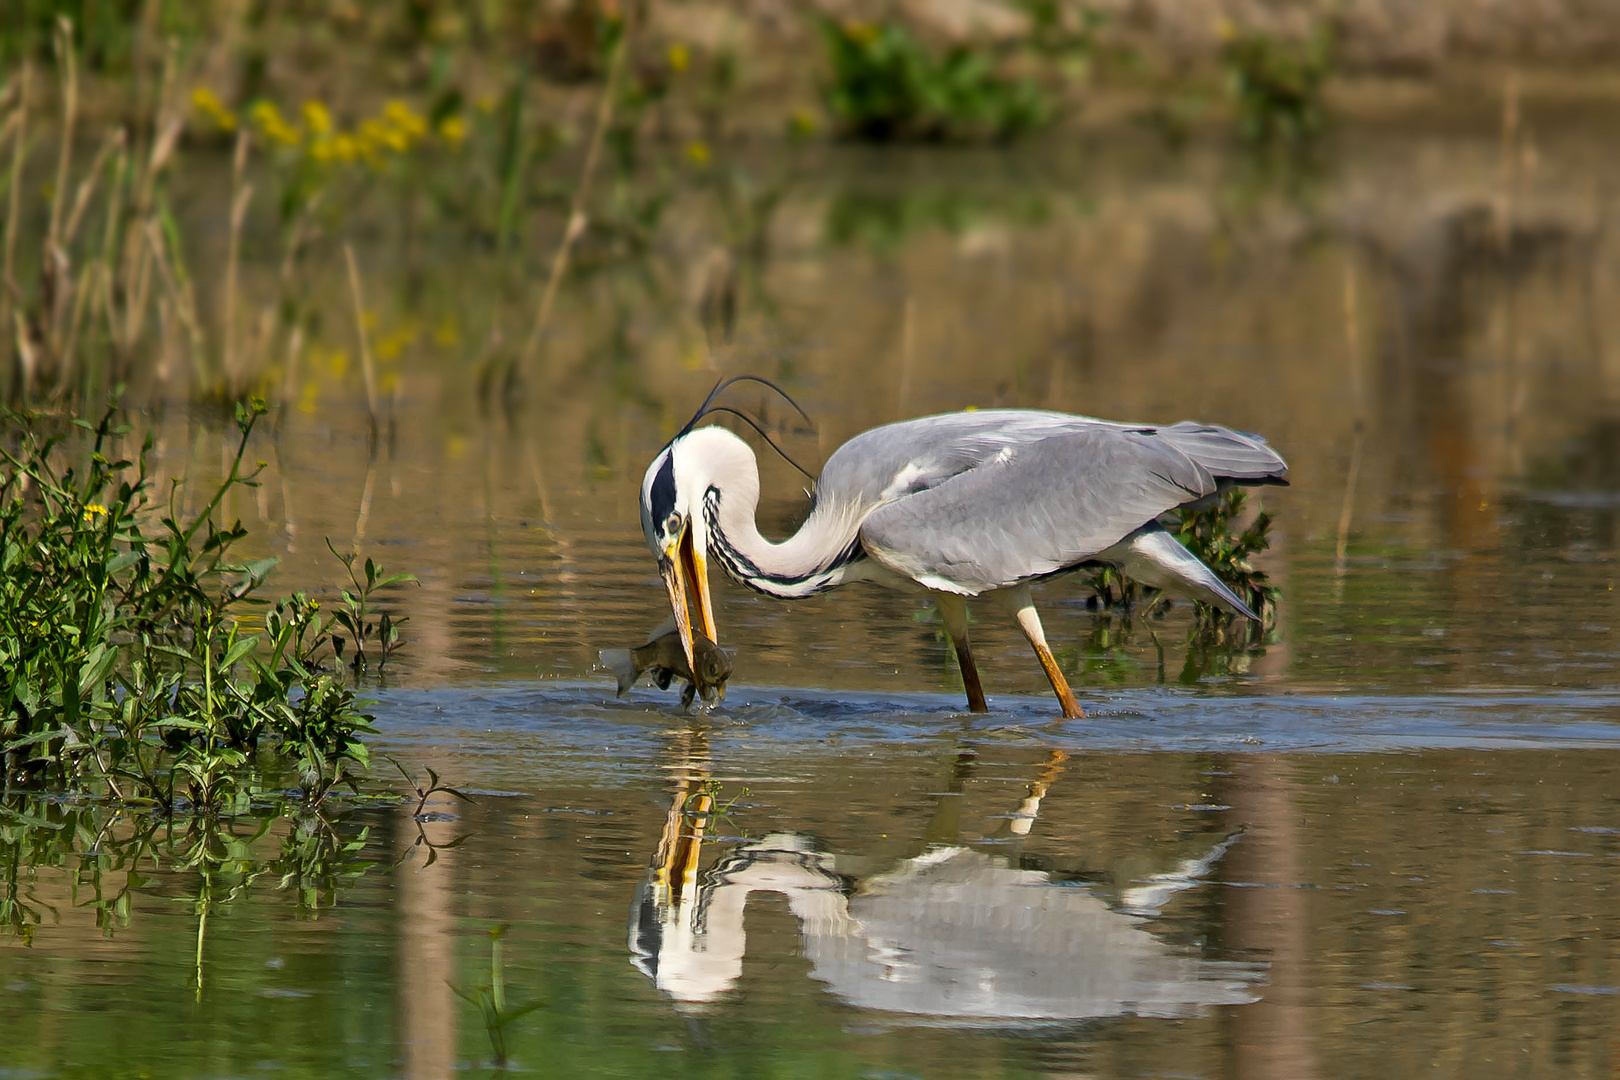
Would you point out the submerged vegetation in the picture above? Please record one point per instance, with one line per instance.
(131, 666)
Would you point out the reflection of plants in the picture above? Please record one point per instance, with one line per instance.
(1278, 85)
(114, 852)
(317, 860)
(885, 86)
(123, 659)
(434, 786)
(704, 810)
(885, 220)
(419, 815)
(490, 999)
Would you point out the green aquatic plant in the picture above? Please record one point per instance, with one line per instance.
(489, 998)
(1207, 533)
(1278, 85)
(127, 664)
(886, 87)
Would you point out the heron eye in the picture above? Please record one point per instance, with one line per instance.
(673, 524)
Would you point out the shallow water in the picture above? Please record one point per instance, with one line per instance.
(1385, 841)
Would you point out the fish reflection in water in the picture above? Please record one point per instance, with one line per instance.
(953, 934)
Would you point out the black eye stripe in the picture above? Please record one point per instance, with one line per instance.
(661, 495)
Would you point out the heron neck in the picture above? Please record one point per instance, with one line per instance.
(810, 561)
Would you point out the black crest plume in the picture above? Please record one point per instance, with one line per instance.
(708, 407)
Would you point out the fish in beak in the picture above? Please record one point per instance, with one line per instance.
(683, 565)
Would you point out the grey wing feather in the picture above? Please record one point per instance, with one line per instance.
(900, 459)
(1230, 455)
(1034, 509)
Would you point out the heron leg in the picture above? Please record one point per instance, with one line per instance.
(953, 610)
(1029, 622)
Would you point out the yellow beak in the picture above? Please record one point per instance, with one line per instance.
(683, 564)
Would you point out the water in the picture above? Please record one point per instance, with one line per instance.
(1385, 842)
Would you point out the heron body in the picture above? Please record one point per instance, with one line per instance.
(962, 505)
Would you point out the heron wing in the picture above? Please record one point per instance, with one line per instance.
(910, 456)
(1036, 508)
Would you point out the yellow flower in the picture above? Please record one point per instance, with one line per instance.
(802, 122)
(679, 58)
(406, 122)
(453, 129)
(93, 511)
(697, 152)
(376, 136)
(863, 32)
(207, 102)
(270, 123)
(317, 119)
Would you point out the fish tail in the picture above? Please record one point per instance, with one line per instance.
(623, 665)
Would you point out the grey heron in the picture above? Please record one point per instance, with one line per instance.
(957, 505)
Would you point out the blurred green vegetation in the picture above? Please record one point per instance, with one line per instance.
(466, 122)
(885, 86)
(1278, 85)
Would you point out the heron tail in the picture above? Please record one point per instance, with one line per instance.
(1156, 558)
(623, 665)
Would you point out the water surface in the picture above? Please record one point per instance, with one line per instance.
(1383, 840)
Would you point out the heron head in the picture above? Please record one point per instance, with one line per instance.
(672, 520)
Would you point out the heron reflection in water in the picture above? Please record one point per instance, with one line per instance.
(959, 505)
(952, 934)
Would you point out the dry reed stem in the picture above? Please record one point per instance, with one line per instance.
(289, 383)
(365, 344)
(908, 337)
(109, 241)
(27, 361)
(181, 296)
(1352, 340)
(241, 195)
(1509, 163)
(19, 151)
(70, 110)
(166, 126)
(70, 345)
(140, 287)
(576, 213)
(87, 186)
(364, 514)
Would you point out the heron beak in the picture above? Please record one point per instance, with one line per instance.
(681, 564)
